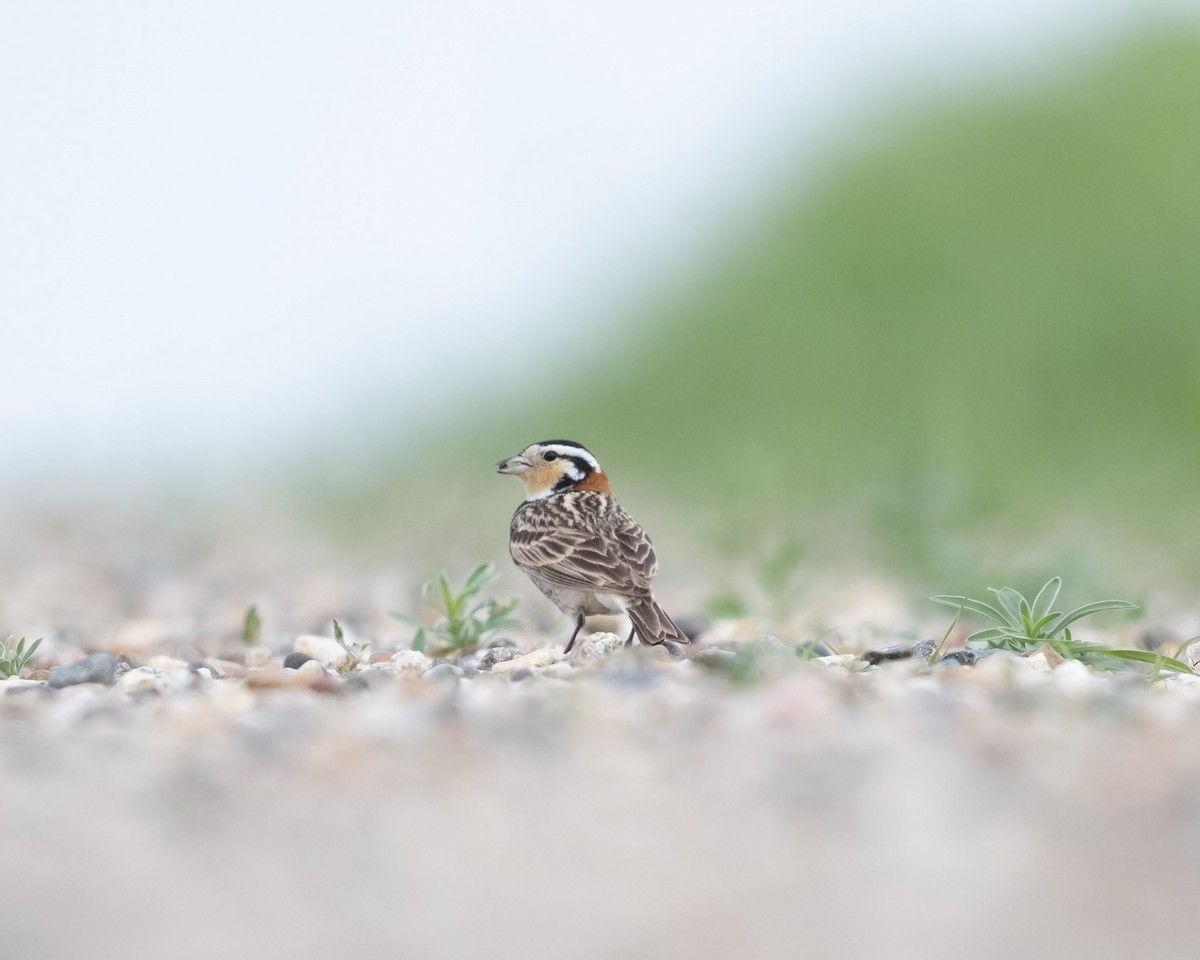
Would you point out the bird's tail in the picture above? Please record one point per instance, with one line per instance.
(651, 623)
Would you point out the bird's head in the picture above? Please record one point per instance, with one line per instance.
(555, 466)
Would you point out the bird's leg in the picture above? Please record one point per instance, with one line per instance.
(629, 639)
(578, 627)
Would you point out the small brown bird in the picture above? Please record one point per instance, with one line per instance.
(578, 546)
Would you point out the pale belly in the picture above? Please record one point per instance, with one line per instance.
(573, 601)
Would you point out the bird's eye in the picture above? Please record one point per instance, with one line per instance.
(549, 455)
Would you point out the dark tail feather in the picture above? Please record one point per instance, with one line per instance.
(651, 623)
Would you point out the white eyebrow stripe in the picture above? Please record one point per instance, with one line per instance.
(565, 451)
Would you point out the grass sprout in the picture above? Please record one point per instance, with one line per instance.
(13, 659)
(251, 625)
(355, 652)
(465, 616)
(1023, 626)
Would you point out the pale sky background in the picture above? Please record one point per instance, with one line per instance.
(231, 228)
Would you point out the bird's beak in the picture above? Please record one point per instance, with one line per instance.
(513, 465)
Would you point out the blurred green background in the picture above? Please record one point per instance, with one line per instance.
(969, 345)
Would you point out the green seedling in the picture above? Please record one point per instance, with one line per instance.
(13, 659)
(355, 652)
(251, 625)
(465, 617)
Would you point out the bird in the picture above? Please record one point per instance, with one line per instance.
(579, 546)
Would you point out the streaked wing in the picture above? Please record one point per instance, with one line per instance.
(616, 557)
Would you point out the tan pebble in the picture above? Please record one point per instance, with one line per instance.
(141, 680)
(12, 684)
(166, 664)
(311, 670)
(273, 675)
(535, 660)
(1039, 661)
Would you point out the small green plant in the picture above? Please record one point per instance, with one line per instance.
(13, 659)
(1024, 626)
(356, 652)
(465, 618)
(251, 625)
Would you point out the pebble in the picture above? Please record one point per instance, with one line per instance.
(141, 681)
(409, 663)
(537, 659)
(498, 642)
(166, 664)
(968, 656)
(94, 668)
(920, 650)
(295, 659)
(325, 650)
(595, 647)
(314, 673)
(521, 673)
(18, 685)
(714, 657)
(443, 673)
(494, 655)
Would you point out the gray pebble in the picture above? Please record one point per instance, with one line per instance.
(967, 657)
(443, 673)
(714, 656)
(198, 665)
(496, 642)
(295, 659)
(521, 673)
(94, 668)
(494, 655)
(812, 648)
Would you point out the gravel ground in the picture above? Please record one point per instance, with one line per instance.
(195, 798)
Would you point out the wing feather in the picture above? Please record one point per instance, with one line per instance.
(585, 547)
